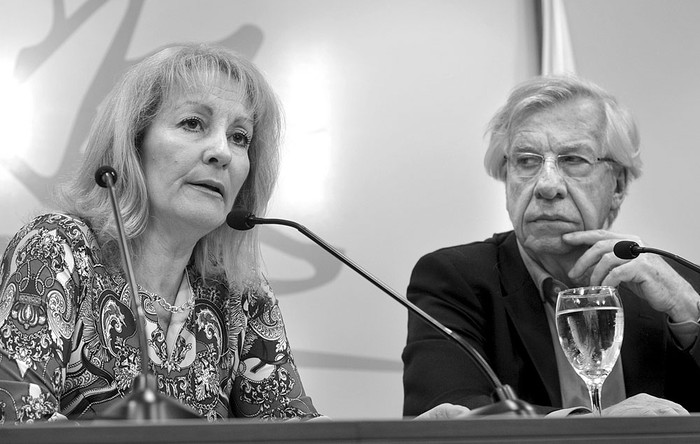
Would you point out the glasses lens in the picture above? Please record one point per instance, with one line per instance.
(575, 165)
(526, 164)
(569, 165)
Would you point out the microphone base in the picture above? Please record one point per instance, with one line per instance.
(145, 404)
(507, 408)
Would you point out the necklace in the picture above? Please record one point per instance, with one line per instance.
(167, 306)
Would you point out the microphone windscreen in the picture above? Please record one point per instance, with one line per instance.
(626, 249)
(100, 175)
(238, 219)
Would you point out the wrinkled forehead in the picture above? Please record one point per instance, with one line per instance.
(579, 117)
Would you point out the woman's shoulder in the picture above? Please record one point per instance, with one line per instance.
(44, 235)
(65, 223)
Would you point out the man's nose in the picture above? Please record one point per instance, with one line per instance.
(550, 182)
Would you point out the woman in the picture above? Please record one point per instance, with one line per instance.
(190, 131)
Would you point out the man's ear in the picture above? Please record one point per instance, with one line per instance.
(620, 187)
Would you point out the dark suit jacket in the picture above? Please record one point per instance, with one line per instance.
(483, 292)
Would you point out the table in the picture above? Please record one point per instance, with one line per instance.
(677, 429)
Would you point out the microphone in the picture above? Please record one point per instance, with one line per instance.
(505, 399)
(629, 250)
(144, 402)
(105, 176)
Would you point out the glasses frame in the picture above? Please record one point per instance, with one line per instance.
(562, 172)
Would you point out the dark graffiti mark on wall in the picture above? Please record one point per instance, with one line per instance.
(326, 268)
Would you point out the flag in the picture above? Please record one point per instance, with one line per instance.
(557, 51)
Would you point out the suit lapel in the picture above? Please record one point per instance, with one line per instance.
(526, 312)
(643, 341)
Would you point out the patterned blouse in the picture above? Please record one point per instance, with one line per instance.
(68, 342)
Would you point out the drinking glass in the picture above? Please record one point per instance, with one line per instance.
(590, 324)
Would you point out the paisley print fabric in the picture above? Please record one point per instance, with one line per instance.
(68, 342)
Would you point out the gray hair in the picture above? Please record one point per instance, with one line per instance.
(619, 138)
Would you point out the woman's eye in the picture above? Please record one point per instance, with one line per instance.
(192, 124)
(240, 138)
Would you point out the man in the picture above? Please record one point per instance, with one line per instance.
(567, 152)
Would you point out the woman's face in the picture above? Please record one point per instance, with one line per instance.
(195, 157)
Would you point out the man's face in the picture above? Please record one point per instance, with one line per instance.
(549, 204)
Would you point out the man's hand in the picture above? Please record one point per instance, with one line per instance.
(648, 275)
(445, 411)
(645, 405)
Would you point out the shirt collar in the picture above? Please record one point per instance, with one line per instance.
(539, 275)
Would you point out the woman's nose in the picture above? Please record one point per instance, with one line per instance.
(217, 150)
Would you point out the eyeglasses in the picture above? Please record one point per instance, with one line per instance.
(526, 165)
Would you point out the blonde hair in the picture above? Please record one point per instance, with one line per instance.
(115, 139)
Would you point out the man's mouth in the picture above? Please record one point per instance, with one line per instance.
(550, 218)
(551, 222)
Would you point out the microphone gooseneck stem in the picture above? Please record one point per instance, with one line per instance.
(144, 402)
(502, 392)
(672, 256)
(131, 278)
